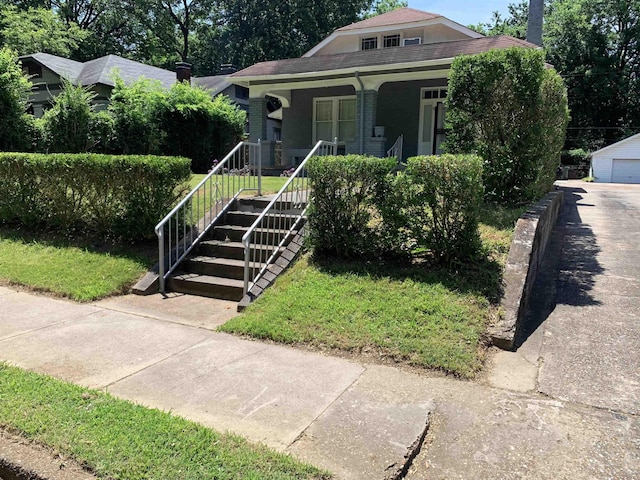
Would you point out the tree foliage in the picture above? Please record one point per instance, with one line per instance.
(14, 93)
(384, 6)
(506, 107)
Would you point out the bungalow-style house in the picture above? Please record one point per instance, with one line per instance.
(47, 70)
(366, 84)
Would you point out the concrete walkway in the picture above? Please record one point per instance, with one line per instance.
(565, 406)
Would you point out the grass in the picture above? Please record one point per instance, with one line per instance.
(269, 184)
(119, 440)
(77, 268)
(416, 313)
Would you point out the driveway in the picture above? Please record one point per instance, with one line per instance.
(591, 341)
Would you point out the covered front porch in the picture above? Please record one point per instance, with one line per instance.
(365, 110)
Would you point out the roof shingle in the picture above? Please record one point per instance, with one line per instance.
(385, 56)
(395, 17)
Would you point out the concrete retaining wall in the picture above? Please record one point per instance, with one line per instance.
(530, 240)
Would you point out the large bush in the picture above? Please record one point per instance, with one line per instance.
(345, 192)
(509, 108)
(15, 125)
(199, 127)
(119, 196)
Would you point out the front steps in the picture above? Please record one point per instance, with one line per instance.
(215, 267)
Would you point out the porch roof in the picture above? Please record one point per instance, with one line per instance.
(386, 58)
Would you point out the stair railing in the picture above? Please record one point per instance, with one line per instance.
(265, 238)
(396, 149)
(189, 221)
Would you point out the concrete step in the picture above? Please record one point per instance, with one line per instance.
(258, 204)
(246, 219)
(206, 286)
(234, 233)
(215, 266)
(234, 250)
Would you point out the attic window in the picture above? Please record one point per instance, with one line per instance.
(412, 41)
(391, 41)
(370, 43)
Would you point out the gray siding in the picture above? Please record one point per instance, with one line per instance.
(399, 111)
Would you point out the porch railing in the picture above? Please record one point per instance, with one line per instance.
(396, 149)
(188, 222)
(280, 219)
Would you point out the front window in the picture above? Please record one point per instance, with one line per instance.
(334, 117)
(370, 43)
(391, 41)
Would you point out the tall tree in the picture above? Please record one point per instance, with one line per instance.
(384, 6)
(534, 23)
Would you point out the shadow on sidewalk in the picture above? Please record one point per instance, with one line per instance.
(569, 268)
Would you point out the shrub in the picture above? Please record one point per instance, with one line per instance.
(507, 107)
(345, 190)
(575, 157)
(136, 109)
(443, 196)
(67, 123)
(199, 127)
(15, 88)
(119, 196)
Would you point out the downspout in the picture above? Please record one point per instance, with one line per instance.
(361, 113)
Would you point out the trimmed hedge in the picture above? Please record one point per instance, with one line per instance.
(446, 194)
(118, 196)
(359, 207)
(345, 191)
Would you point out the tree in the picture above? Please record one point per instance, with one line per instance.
(384, 6)
(14, 93)
(38, 30)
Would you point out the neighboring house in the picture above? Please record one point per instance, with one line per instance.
(47, 70)
(387, 71)
(617, 163)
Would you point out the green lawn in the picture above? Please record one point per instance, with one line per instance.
(269, 184)
(411, 313)
(117, 440)
(80, 269)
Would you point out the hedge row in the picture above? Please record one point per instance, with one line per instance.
(118, 196)
(361, 207)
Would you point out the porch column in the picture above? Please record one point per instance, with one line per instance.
(257, 119)
(374, 146)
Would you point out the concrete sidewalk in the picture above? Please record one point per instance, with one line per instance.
(357, 420)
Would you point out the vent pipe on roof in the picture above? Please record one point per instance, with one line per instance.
(183, 72)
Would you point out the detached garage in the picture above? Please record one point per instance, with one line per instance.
(617, 163)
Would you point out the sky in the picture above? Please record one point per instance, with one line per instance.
(466, 12)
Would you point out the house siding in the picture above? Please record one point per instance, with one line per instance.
(602, 163)
(297, 121)
(399, 111)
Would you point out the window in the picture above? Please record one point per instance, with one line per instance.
(391, 41)
(370, 43)
(412, 41)
(434, 93)
(334, 117)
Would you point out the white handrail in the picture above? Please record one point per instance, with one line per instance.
(219, 189)
(294, 196)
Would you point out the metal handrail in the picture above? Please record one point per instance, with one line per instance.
(396, 149)
(182, 228)
(277, 222)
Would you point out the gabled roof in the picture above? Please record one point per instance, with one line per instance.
(385, 57)
(101, 69)
(617, 144)
(215, 83)
(395, 17)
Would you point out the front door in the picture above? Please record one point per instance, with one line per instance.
(432, 112)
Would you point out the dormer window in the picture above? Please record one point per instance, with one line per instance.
(391, 41)
(412, 41)
(369, 43)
